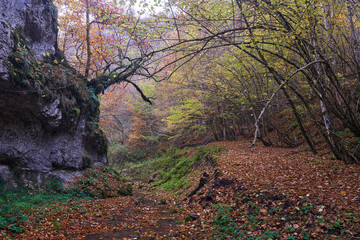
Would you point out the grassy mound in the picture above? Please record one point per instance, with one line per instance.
(101, 182)
(171, 170)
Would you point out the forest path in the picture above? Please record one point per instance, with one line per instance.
(146, 218)
(272, 192)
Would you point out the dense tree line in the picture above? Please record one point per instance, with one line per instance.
(287, 71)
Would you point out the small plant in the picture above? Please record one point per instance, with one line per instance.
(305, 234)
(320, 219)
(289, 229)
(177, 221)
(275, 210)
(304, 209)
(270, 235)
(56, 225)
(55, 186)
(352, 217)
(335, 167)
(224, 227)
(337, 225)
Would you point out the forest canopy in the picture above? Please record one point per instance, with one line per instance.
(285, 71)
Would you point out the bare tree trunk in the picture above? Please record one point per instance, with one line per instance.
(336, 147)
(328, 28)
(322, 88)
(331, 44)
(88, 45)
(321, 74)
(224, 129)
(281, 87)
(354, 38)
(262, 60)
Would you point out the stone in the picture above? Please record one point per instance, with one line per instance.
(37, 18)
(52, 112)
(7, 178)
(40, 137)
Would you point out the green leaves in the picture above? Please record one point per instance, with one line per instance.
(186, 120)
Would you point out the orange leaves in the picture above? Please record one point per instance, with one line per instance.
(113, 105)
(106, 28)
(256, 206)
(136, 137)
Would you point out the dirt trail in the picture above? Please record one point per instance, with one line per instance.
(146, 217)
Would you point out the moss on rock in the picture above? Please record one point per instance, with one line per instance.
(53, 78)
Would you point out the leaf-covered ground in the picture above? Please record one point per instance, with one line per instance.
(273, 193)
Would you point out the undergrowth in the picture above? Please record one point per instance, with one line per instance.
(264, 215)
(101, 182)
(17, 205)
(171, 170)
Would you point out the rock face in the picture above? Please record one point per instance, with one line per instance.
(37, 18)
(48, 117)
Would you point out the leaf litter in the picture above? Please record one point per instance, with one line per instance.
(273, 193)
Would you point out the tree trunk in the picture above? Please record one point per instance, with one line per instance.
(88, 44)
(354, 38)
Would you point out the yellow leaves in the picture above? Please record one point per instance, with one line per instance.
(38, 62)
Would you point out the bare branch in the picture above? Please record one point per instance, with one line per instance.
(272, 97)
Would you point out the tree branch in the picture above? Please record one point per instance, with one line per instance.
(272, 97)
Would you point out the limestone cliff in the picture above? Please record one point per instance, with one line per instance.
(48, 116)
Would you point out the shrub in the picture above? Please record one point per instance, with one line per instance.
(101, 182)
